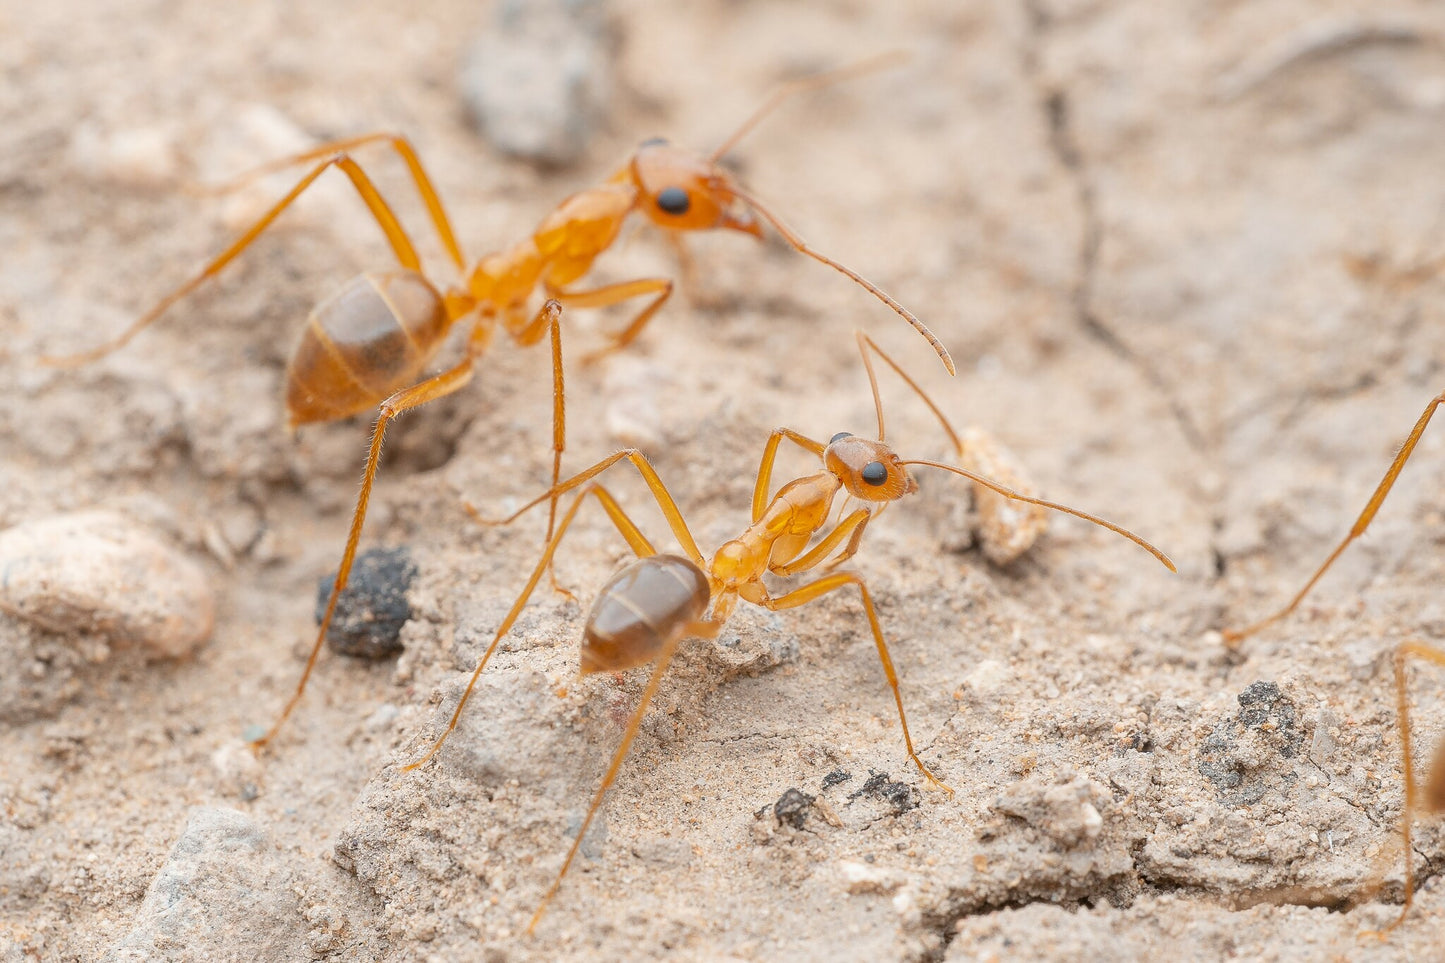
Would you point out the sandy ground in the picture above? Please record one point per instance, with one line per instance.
(1185, 256)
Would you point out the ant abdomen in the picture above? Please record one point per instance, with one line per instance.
(367, 341)
(640, 610)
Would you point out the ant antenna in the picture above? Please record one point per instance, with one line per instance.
(865, 342)
(799, 245)
(1019, 496)
(804, 84)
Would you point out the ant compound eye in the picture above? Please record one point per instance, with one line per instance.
(874, 473)
(673, 200)
(841, 434)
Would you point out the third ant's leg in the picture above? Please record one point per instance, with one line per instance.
(1232, 637)
(1404, 653)
(436, 387)
(832, 583)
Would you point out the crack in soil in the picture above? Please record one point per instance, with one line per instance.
(1065, 147)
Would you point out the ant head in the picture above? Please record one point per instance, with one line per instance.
(870, 470)
(686, 192)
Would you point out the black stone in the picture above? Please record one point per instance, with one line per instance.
(792, 808)
(373, 607)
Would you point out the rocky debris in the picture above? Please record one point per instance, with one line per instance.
(1063, 810)
(1005, 528)
(373, 608)
(42, 669)
(97, 573)
(898, 797)
(1245, 812)
(539, 79)
(223, 894)
(755, 639)
(1240, 751)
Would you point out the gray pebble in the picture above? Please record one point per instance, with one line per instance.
(223, 894)
(98, 573)
(539, 79)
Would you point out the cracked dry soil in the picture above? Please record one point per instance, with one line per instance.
(1186, 255)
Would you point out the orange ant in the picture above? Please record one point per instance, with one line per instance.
(644, 611)
(370, 342)
(1233, 637)
(1432, 800)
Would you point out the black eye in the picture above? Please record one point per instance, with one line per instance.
(673, 200)
(874, 473)
(841, 434)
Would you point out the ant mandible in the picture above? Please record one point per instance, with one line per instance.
(371, 341)
(644, 611)
(1233, 637)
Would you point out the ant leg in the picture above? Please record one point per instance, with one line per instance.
(831, 583)
(660, 494)
(1404, 652)
(408, 154)
(639, 544)
(610, 294)
(853, 543)
(854, 523)
(436, 387)
(549, 319)
(704, 629)
(1232, 637)
(395, 235)
(770, 454)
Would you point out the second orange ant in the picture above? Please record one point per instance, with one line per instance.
(1233, 637)
(645, 610)
(370, 343)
